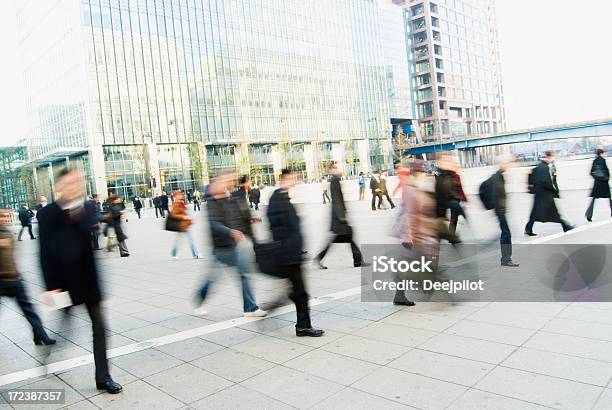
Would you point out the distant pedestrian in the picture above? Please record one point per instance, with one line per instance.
(95, 210)
(197, 199)
(601, 186)
(545, 189)
(285, 225)
(115, 213)
(342, 231)
(68, 263)
(376, 191)
(165, 204)
(11, 284)
(179, 214)
(362, 185)
(42, 202)
(254, 197)
(157, 203)
(137, 205)
(448, 197)
(383, 188)
(324, 188)
(25, 218)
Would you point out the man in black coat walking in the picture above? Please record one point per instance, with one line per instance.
(137, 205)
(342, 231)
(157, 203)
(164, 204)
(25, 217)
(601, 187)
(68, 264)
(285, 225)
(545, 189)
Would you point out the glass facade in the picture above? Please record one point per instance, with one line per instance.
(222, 73)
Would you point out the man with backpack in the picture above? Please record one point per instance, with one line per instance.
(492, 193)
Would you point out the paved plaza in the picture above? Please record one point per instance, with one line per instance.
(373, 355)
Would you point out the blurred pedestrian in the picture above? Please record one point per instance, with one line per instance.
(545, 189)
(285, 225)
(115, 213)
(416, 223)
(197, 199)
(362, 184)
(601, 186)
(137, 205)
(324, 188)
(447, 194)
(157, 203)
(25, 218)
(384, 192)
(11, 284)
(164, 204)
(493, 195)
(341, 229)
(227, 228)
(95, 210)
(42, 202)
(376, 190)
(179, 213)
(254, 197)
(68, 263)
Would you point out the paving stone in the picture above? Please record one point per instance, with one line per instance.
(368, 350)
(187, 383)
(233, 365)
(540, 389)
(571, 345)
(137, 396)
(292, 387)
(396, 334)
(230, 337)
(434, 323)
(331, 366)
(350, 398)
(272, 349)
(239, 398)
(190, 349)
(410, 389)
(491, 332)
(146, 362)
(443, 367)
(468, 348)
(477, 399)
(82, 379)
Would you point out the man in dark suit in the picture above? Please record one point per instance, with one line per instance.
(601, 186)
(545, 188)
(342, 231)
(157, 203)
(376, 190)
(68, 264)
(25, 217)
(164, 204)
(285, 225)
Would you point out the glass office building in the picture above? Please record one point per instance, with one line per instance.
(159, 95)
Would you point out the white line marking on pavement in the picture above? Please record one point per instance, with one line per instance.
(69, 364)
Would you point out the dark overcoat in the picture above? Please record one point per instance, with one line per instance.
(601, 175)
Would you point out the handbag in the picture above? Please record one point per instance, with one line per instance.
(173, 224)
(267, 257)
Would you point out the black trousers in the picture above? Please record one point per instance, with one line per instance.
(98, 326)
(196, 205)
(380, 199)
(325, 196)
(15, 289)
(456, 212)
(347, 238)
(299, 296)
(505, 240)
(159, 211)
(137, 212)
(95, 234)
(29, 226)
(386, 194)
(589, 211)
(531, 222)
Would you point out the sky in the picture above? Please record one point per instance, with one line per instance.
(556, 64)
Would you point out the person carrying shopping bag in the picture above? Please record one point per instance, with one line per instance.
(179, 222)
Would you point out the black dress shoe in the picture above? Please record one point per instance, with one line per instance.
(320, 265)
(309, 331)
(530, 233)
(589, 219)
(361, 264)
(510, 264)
(569, 228)
(405, 302)
(110, 386)
(44, 341)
